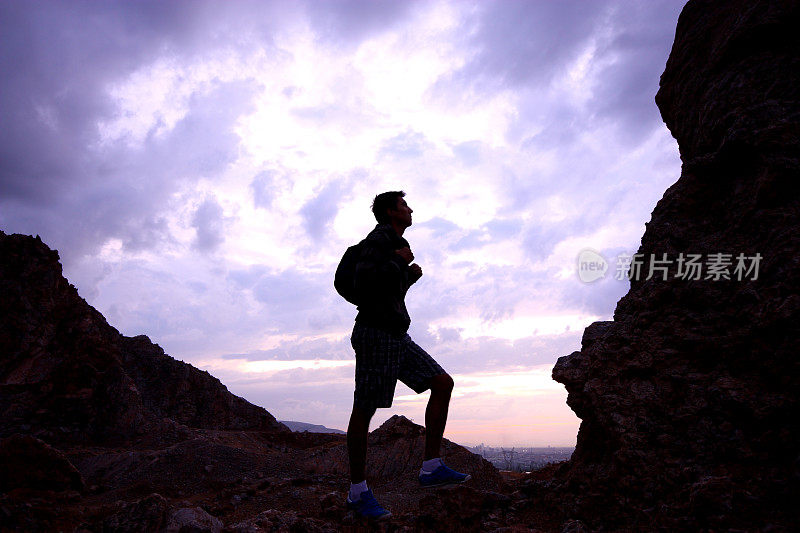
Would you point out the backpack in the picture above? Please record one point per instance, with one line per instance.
(345, 279)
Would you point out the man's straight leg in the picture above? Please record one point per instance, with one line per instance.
(357, 432)
(360, 499)
(376, 368)
(376, 375)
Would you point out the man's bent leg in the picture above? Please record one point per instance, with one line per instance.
(434, 473)
(357, 431)
(436, 414)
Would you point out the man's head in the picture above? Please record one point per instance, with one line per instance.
(389, 206)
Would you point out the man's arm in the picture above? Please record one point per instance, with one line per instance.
(414, 273)
(381, 270)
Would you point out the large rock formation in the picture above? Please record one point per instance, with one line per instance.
(689, 397)
(66, 376)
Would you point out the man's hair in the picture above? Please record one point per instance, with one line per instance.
(383, 202)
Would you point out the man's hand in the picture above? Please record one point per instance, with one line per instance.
(414, 273)
(406, 254)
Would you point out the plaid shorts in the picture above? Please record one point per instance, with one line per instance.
(382, 359)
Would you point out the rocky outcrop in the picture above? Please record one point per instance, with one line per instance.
(689, 397)
(66, 376)
(52, 471)
(178, 391)
(395, 453)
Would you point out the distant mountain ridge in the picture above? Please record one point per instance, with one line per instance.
(311, 428)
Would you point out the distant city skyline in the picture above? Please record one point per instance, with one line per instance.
(202, 166)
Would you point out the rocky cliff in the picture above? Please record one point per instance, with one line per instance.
(66, 376)
(689, 397)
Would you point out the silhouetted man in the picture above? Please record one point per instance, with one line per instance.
(385, 352)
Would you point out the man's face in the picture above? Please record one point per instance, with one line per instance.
(402, 214)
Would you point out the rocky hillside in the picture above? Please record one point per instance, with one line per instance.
(101, 432)
(66, 376)
(689, 397)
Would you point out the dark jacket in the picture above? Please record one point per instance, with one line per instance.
(382, 277)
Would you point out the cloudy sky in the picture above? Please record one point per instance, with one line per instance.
(201, 167)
